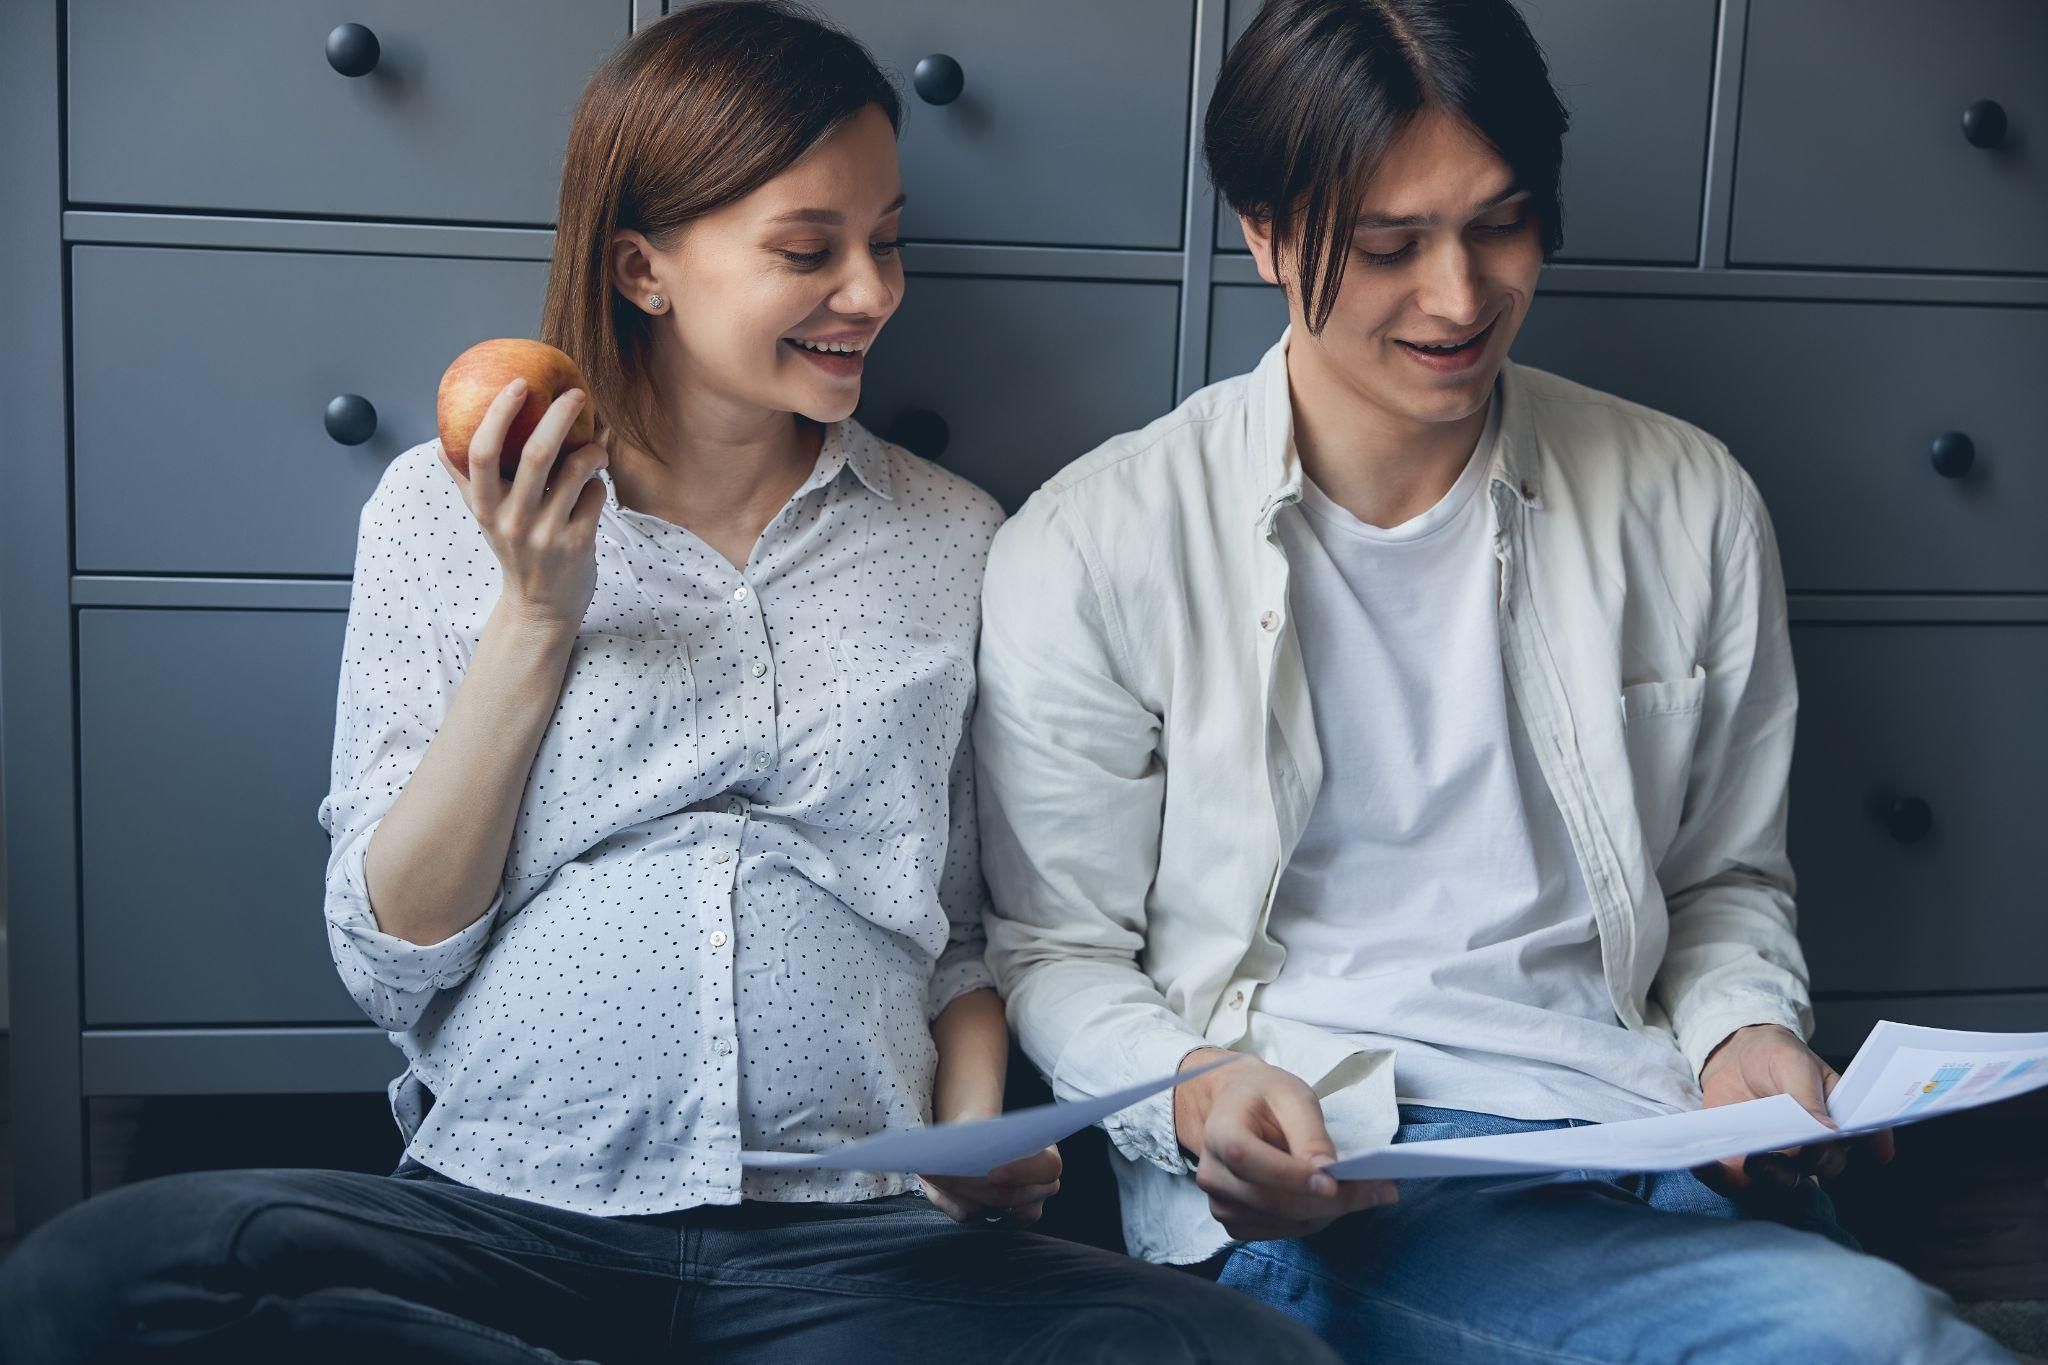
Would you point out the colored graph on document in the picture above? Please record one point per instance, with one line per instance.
(1955, 1082)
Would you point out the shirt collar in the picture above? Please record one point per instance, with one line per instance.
(847, 445)
(1270, 416)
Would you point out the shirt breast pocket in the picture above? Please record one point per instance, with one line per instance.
(1662, 722)
(899, 709)
(620, 749)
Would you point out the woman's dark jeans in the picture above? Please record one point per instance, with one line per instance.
(317, 1265)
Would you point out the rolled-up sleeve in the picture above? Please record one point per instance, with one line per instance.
(398, 671)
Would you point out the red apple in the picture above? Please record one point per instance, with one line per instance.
(480, 373)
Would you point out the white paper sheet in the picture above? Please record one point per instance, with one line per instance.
(1903, 1074)
(976, 1148)
(1900, 1075)
(1666, 1142)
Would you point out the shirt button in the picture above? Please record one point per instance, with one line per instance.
(763, 761)
(1269, 620)
(1237, 1000)
(721, 1046)
(760, 670)
(718, 938)
(735, 807)
(739, 594)
(721, 857)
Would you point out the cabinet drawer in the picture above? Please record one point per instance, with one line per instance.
(201, 380)
(1632, 185)
(1852, 150)
(1947, 715)
(1070, 127)
(204, 739)
(1834, 409)
(233, 105)
(1023, 376)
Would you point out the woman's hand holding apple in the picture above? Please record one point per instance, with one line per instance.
(542, 525)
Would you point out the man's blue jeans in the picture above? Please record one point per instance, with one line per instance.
(1600, 1267)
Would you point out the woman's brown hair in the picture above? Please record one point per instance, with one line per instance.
(689, 114)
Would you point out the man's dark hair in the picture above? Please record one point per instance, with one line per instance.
(1316, 91)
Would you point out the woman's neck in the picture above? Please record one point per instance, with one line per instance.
(724, 477)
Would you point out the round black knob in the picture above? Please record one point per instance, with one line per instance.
(351, 419)
(1908, 818)
(921, 433)
(1952, 453)
(353, 50)
(939, 79)
(1984, 124)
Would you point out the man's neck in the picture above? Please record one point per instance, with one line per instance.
(1380, 467)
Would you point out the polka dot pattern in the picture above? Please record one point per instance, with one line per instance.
(744, 875)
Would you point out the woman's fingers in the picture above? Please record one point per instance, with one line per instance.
(485, 448)
(565, 490)
(1036, 1168)
(537, 459)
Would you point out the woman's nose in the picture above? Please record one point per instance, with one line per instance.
(865, 289)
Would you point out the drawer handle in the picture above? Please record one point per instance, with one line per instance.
(351, 419)
(1906, 818)
(939, 79)
(921, 432)
(1952, 454)
(1984, 124)
(353, 50)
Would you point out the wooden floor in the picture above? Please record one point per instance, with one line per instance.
(1964, 1207)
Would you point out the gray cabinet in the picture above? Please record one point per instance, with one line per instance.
(202, 381)
(1853, 151)
(1896, 897)
(1070, 126)
(1834, 409)
(1023, 375)
(203, 746)
(1632, 181)
(233, 106)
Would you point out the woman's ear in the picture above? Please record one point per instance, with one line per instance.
(631, 262)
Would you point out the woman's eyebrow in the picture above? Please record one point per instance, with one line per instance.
(832, 217)
(1367, 221)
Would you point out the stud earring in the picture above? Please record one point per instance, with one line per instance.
(654, 302)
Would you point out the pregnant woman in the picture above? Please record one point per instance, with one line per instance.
(653, 835)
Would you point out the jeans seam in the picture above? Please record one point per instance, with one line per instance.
(1407, 1310)
(391, 1309)
(978, 1295)
(540, 1249)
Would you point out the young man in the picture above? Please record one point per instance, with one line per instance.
(1418, 724)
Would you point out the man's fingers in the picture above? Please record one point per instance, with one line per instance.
(1359, 1195)
(1300, 1116)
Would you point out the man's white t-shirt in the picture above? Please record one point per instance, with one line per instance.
(1434, 905)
